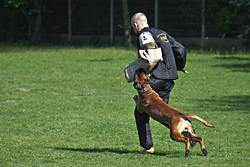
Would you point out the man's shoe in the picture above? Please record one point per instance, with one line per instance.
(151, 150)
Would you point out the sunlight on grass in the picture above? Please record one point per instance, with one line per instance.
(71, 106)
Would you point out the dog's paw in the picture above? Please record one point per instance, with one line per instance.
(193, 143)
(187, 153)
(135, 98)
(204, 152)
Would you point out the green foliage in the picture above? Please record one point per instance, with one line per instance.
(12, 19)
(191, 16)
(32, 10)
(231, 17)
(28, 3)
(235, 17)
(16, 3)
(71, 106)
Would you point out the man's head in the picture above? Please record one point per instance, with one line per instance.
(139, 21)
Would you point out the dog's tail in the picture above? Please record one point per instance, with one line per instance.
(197, 118)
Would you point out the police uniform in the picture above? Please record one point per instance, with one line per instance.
(162, 77)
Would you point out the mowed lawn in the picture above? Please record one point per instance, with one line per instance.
(71, 106)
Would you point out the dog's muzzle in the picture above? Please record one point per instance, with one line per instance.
(137, 86)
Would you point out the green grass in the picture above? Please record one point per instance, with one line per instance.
(71, 106)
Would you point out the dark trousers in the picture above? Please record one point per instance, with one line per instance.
(163, 88)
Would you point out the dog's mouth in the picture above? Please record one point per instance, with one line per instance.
(138, 86)
(141, 78)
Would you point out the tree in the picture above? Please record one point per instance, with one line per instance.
(32, 10)
(127, 36)
(229, 17)
(234, 18)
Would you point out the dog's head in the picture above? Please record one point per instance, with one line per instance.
(141, 79)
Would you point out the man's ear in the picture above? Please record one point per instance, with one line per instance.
(135, 27)
(135, 24)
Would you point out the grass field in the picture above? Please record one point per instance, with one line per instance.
(71, 106)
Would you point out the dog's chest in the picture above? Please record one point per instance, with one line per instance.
(142, 104)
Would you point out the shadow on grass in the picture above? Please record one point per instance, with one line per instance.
(100, 60)
(236, 67)
(232, 58)
(173, 154)
(96, 150)
(227, 103)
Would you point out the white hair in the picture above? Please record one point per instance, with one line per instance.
(139, 18)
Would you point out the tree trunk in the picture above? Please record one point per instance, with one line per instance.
(127, 36)
(37, 21)
(203, 25)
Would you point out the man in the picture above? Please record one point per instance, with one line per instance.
(162, 76)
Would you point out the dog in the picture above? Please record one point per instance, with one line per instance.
(150, 102)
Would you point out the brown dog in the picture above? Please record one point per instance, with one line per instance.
(151, 103)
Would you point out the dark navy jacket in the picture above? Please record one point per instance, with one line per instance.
(167, 68)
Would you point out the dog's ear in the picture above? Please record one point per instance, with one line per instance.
(147, 79)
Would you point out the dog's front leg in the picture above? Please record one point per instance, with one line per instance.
(135, 98)
(139, 107)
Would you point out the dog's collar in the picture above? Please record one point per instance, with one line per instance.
(146, 89)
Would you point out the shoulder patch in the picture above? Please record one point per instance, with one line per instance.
(163, 37)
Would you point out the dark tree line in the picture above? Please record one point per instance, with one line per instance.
(230, 18)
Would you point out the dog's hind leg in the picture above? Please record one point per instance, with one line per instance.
(192, 142)
(175, 134)
(179, 138)
(200, 140)
(189, 132)
(192, 136)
